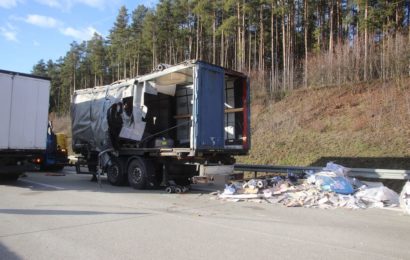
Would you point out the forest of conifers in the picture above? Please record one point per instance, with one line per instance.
(281, 44)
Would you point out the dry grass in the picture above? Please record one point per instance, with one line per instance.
(367, 120)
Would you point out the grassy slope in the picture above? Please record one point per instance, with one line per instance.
(360, 126)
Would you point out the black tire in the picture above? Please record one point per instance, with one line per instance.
(138, 173)
(115, 172)
(92, 168)
(10, 176)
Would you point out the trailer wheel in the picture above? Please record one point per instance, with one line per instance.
(10, 176)
(115, 172)
(92, 168)
(137, 173)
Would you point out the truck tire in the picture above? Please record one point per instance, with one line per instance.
(138, 173)
(92, 168)
(10, 176)
(115, 172)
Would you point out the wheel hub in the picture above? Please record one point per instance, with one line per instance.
(114, 171)
(136, 175)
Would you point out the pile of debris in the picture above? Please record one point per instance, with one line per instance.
(329, 188)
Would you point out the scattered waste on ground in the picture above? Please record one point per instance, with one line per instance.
(329, 188)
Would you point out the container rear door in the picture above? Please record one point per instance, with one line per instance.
(5, 106)
(209, 107)
(29, 113)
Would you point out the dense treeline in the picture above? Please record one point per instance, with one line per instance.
(282, 44)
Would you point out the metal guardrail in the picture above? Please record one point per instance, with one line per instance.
(354, 172)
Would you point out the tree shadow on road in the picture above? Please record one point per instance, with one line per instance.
(5, 253)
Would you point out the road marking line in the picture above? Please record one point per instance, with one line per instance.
(43, 184)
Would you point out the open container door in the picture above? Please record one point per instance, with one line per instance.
(209, 107)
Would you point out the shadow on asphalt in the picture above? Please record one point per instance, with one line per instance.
(49, 212)
(5, 253)
(48, 182)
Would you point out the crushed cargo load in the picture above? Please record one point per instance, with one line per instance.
(336, 190)
(166, 125)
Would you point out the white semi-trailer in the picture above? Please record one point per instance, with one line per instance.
(24, 102)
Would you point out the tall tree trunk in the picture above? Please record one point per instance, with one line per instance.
(249, 52)
(222, 49)
(331, 28)
(318, 43)
(214, 37)
(261, 40)
(306, 22)
(197, 38)
(339, 22)
(272, 49)
(201, 42)
(284, 51)
(290, 47)
(243, 42)
(238, 36)
(365, 41)
(138, 64)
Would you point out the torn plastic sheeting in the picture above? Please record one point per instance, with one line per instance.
(339, 170)
(89, 114)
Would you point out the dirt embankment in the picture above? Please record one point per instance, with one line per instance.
(366, 125)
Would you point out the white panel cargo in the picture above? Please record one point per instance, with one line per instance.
(24, 104)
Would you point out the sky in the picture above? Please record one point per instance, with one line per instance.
(31, 30)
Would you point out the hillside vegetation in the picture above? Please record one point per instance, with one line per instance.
(364, 125)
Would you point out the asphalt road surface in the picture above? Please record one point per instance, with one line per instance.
(68, 217)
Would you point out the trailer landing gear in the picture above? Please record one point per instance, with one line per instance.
(174, 188)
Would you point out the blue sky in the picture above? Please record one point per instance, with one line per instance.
(31, 30)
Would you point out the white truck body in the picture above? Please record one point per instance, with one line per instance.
(24, 102)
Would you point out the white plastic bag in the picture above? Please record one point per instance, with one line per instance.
(339, 170)
(229, 190)
(405, 198)
(378, 196)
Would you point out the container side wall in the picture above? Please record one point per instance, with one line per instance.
(29, 113)
(5, 106)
